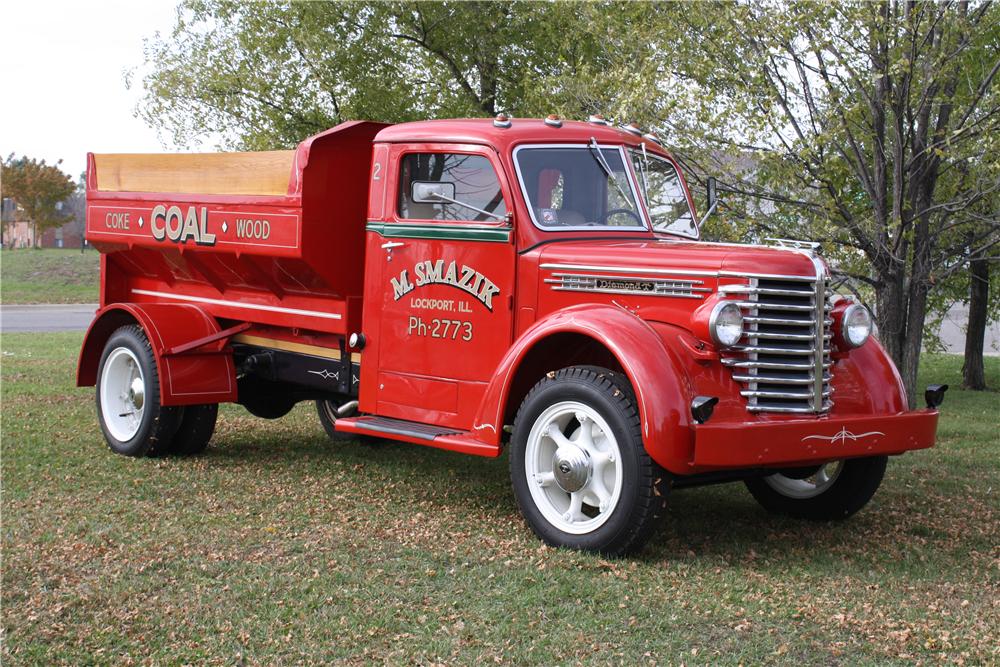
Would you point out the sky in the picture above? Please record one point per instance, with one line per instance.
(62, 69)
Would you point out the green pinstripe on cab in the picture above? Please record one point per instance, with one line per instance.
(442, 232)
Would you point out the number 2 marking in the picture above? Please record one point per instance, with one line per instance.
(377, 175)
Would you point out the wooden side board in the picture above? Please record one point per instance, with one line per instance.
(263, 173)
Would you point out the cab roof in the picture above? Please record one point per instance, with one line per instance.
(521, 130)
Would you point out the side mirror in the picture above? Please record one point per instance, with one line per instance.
(432, 192)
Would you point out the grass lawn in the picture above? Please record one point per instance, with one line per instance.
(49, 276)
(279, 547)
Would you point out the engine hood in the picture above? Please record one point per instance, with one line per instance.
(679, 257)
(656, 280)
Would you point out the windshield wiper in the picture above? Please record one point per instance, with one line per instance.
(595, 150)
(468, 206)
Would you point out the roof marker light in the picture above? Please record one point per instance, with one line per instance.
(633, 128)
(553, 120)
(502, 120)
(598, 119)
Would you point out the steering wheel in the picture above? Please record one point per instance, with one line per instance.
(616, 211)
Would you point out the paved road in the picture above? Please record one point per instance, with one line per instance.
(77, 317)
(952, 333)
(48, 317)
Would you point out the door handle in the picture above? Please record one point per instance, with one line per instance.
(388, 246)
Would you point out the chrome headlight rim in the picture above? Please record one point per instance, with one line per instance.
(713, 323)
(845, 327)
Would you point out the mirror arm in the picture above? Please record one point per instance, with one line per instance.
(468, 206)
(711, 209)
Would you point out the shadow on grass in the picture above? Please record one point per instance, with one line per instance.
(712, 525)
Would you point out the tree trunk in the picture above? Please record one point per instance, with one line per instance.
(890, 311)
(973, 373)
(913, 340)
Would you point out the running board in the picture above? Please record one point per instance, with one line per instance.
(417, 433)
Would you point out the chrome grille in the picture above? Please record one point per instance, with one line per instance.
(783, 361)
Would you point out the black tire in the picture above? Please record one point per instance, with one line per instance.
(327, 411)
(645, 485)
(854, 485)
(197, 424)
(157, 424)
(328, 417)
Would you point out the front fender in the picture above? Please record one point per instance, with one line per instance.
(189, 378)
(661, 388)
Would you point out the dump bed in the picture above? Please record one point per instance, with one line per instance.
(273, 237)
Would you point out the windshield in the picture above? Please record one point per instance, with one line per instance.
(578, 186)
(665, 198)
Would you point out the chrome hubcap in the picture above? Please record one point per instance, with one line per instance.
(573, 466)
(137, 393)
(809, 487)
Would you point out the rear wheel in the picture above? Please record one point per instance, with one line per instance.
(580, 473)
(197, 424)
(128, 396)
(832, 491)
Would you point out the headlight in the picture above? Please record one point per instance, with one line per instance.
(856, 325)
(725, 324)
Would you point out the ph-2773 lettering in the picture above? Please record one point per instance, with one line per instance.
(439, 328)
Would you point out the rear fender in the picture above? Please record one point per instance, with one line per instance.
(204, 374)
(652, 368)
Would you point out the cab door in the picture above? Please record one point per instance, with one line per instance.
(445, 261)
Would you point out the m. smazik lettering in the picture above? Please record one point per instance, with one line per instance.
(431, 272)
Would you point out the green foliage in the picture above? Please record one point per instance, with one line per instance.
(871, 127)
(40, 189)
(267, 74)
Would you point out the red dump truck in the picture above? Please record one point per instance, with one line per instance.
(473, 285)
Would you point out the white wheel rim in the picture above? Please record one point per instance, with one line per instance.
(123, 394)
(810, 487)
(575, 428)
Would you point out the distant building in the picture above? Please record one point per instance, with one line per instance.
(18, 232)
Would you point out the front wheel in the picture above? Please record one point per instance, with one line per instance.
(128, 397)
(832, 491)
(580, 474)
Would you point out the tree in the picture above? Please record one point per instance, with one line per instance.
(973, 370)
(872, 127)
(39, 189)
(267, 74)
(875, 124)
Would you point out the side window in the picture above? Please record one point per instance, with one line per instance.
(449, 186)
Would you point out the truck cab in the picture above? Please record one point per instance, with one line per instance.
(536, 285)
